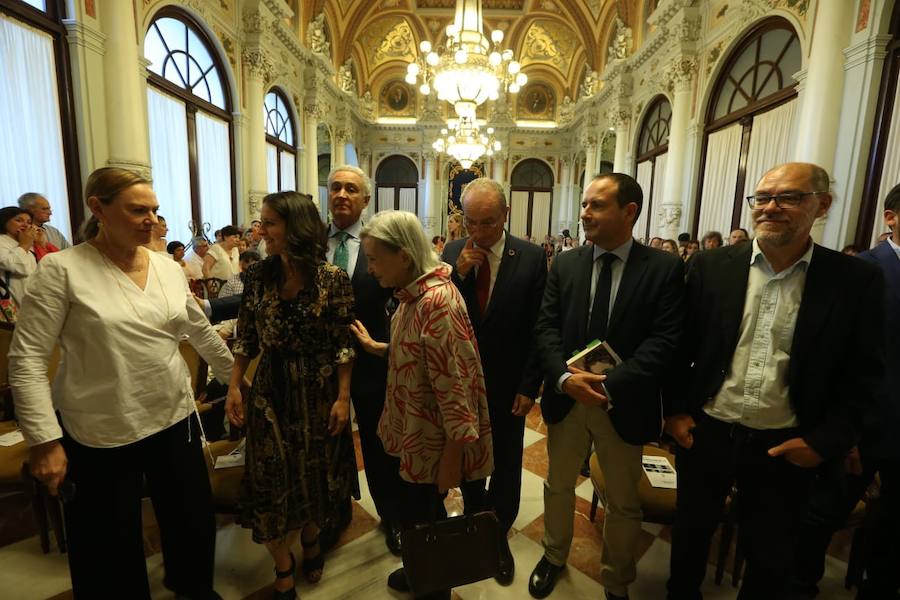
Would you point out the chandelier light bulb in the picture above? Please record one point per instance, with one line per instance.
(514, 67)
(497, 146)
(433, 59)
(521, 79)
(461, 57)
(495, 59)
(496, 36)
(425, 46)
(410, 78)
(490, 130)
(424, 89)
(452, 139)
(507, 54)
(514, 88)
(413, 69)
(451, 30)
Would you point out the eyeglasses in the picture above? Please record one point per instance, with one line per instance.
(490, 223)
(790, 199)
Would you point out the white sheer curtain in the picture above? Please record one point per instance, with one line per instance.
(271, 168)
(31, 147)
(771, 143)
(288, 172)
(540, 214)
(385, 199)
(215, 171)
(890, 176)
(169, 157)
(723, 153)
(518, 218)
(659, 178)
(644, 178)
(408, 199)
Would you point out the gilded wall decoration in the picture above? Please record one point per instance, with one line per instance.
(549, 42)
(397, 99)
(536, 101)
(390, 38)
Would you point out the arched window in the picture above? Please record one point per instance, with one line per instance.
(531, 199)
(397, 182)
(38, 147)
(652, 155)
(883, 171)
(189, 113)
(281, 157)
(749, 123)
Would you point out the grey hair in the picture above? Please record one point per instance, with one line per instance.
(401, 230)
(485, 183)
(199, 240)
(29, 199)
(366, 182)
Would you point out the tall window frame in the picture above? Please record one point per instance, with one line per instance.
(870, 209)
(195, 104)
(533, 176)
(756, 101)
(398, 172)
(50, 21)
(653, 142)
(281, 132)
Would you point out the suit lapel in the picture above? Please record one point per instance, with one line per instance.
(581, 289)
(734, 292)
(635, 267)
(508, 261)
(815, 304)
(891, 265)
(362, 265)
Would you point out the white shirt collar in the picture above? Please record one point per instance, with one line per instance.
(622, 251)
(353, 231)
(894, 247)
(804, 260)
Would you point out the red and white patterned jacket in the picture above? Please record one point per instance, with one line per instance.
(435, 386)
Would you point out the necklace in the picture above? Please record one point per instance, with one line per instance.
(151, 270)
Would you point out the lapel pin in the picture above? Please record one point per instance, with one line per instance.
(512, 252)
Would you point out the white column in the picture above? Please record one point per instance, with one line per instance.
(125, 93)
(311, 150)
(563, 197)
(682, 72)
(590, 160)
(339, 148)
(820, 106)
(258, 67)
(428, 209)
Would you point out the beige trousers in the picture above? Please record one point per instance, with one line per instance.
(568, 443)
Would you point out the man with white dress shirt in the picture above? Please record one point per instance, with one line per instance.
(40, 210)
(349, 192)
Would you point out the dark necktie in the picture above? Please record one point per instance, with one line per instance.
(341, 252)
(600, 307)
(483, 285)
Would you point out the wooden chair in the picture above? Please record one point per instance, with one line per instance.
(225, 483)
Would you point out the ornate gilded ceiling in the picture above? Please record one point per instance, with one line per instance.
(556, 41)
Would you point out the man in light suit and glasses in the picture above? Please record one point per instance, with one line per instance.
(629, 295)
(502, 281)
(782, 351)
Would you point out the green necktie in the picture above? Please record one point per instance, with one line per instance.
(341, 253)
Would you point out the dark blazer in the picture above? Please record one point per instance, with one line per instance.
(882, 422)
(370, 306)
(644, 329)
(505, 333)
(836, 352)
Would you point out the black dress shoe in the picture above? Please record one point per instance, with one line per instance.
(507, 564)
(392, 539)
(397, 580)
(543, 578)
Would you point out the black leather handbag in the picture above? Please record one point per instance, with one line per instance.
(452, 552)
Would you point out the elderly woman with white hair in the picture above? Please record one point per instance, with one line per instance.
(435, 421)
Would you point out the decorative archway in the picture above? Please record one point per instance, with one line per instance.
(652, 156)
(531, 199)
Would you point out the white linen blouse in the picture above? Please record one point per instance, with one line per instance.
(121, 377)
(226, 265)
(17, 264)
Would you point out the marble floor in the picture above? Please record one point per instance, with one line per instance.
(358, 566)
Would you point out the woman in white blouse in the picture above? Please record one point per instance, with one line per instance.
(17, 261)
(123, 393)
(221, 262)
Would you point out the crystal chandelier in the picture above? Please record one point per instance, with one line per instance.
(462, 139)
(471, 69)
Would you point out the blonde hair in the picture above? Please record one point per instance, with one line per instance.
(105, 184)
(461, 231)
(401, 230)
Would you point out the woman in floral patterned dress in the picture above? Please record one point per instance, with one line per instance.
(300, 466)
(435, 420)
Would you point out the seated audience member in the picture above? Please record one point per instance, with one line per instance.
(194, 261)
(850, 250)
(39, 208)
(712, 240)
(748, 400)
(738, 236)
(176, 251)
(126, 424)
(235, 287)
(158, 242)
(692, 248)
(840, 487)
(17, 259)
(670, 246)
(655, 242)
(443, 403)
(297, 310)
(222, 260)
(242, 246)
